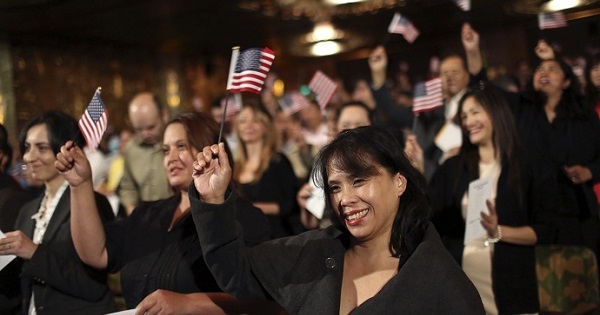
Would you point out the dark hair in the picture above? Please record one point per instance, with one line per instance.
(201, 130)
(571, 101)
(504, 135)
(61, 128)
(358, 152)
(457, 56)
(5, 146)
(592, 93)
(338, 111)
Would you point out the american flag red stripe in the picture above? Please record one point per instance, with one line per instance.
(401, 25)
(551, 20)
(464, 5)
(94, 121)
(428, 96)
(249, 69)
(323, 87)
(293, 102)
(234, 104)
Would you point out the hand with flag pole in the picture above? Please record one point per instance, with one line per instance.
(247, 73)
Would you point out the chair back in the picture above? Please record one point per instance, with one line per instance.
(567, 279)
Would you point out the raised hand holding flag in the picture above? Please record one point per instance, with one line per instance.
(94, 121)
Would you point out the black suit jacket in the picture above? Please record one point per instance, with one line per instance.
(62, 284)
(12, 198)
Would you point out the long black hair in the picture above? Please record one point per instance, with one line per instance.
(61, 128)
(358, 152)
(571, 102)
(505, 137)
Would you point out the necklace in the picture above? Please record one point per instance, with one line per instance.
(41, 220)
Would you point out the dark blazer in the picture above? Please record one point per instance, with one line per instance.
(61, 282)
(12, 198)
(303, 273)
(514, 279)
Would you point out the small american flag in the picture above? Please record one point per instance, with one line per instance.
(401, 25)
(293, 102)
(551, 20)
(464, 5)
(94, 121)
(234, 104)
(428, 96)
(248, 69)
(323, 87)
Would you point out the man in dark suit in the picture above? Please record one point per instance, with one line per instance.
(457, 75)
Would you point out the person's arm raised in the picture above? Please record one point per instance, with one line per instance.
(87, 229)
(212, 174)
(470, 40)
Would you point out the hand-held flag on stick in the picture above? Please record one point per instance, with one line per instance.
(401, 25)
(94, 121)
(427, 96)
(248, 69)
(247, 73)
(551, 20)
(464, 5)
(323, 87)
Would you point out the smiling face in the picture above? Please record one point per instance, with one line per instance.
(549, 78)
(179, 156)
(476, 122)
(366, 206)
(39, 155)
(455, 77)
(250, 127)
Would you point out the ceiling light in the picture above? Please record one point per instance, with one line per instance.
(341, 2)
(559, 5)
(325, 48)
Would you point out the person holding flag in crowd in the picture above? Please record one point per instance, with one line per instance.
(53, 278)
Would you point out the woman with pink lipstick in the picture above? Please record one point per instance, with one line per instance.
(156, 247)
(380, 256)
(501, 264)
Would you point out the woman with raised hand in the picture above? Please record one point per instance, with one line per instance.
(501, 263)
(381, 255)
(561, 135)
(53, 278)
(156, 248)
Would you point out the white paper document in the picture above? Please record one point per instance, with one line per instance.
(479, 192)
(449, 137)
(315, 204)
(5, 259)
(127, 312)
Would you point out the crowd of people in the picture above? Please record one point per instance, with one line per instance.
(192, 225)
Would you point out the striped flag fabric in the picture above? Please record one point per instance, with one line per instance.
(94, 121)
(234, 104)
(551, 20)
(323, 87)
(428, 96)
(401, 25)
(293, 102)
(248, 69)
(464, 5)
